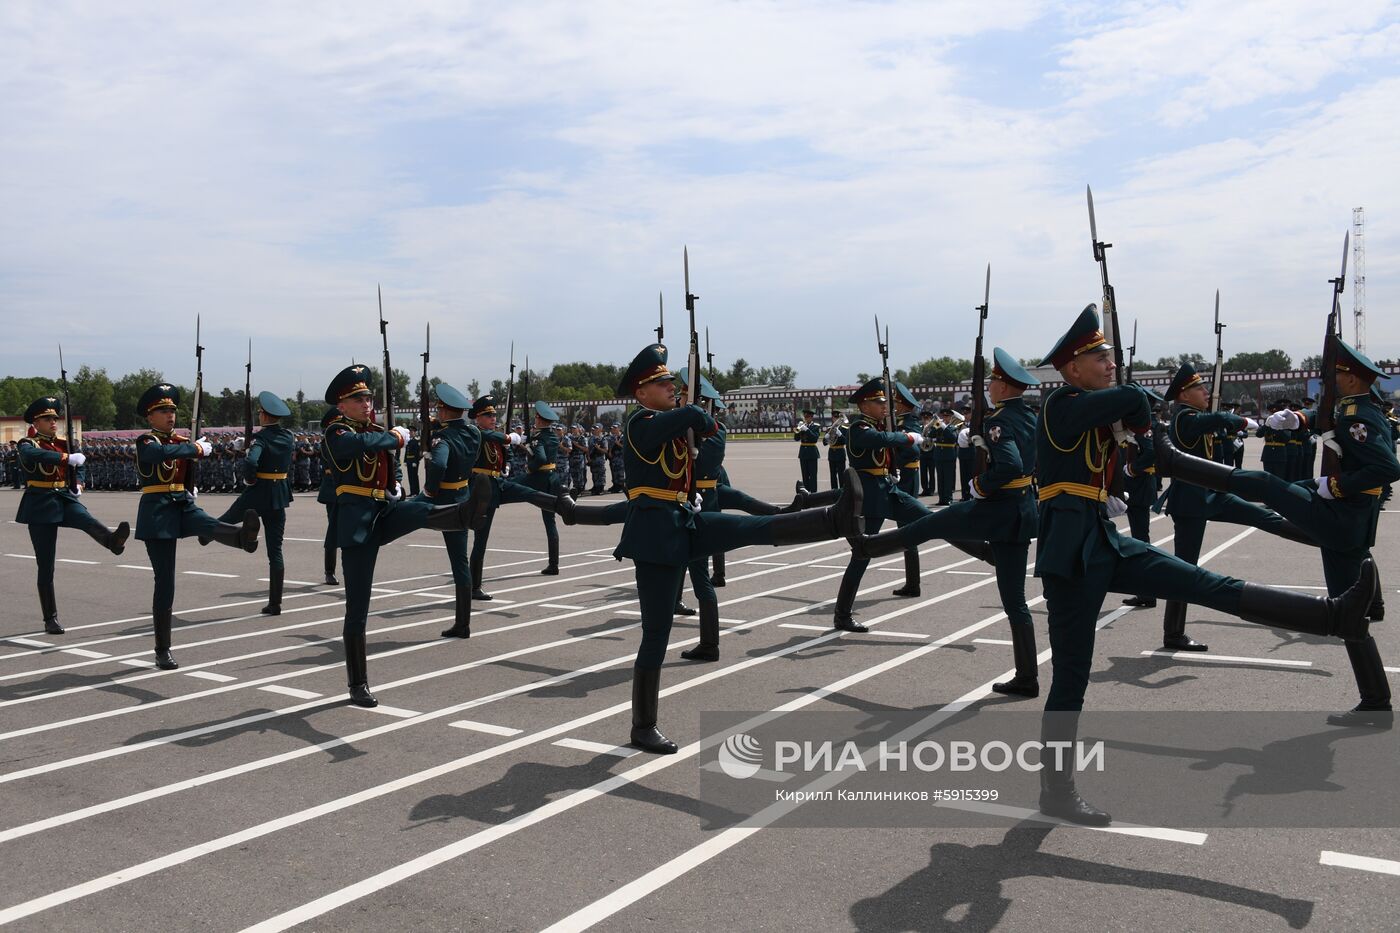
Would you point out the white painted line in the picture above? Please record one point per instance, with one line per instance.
(770, 563)
(886, 632)
(992, 641)
(291, 692)
(1383, 866)
(134, 567)
(440, 547)
(508, 550)
(809, 628)
(395, 711)
(830, 566)
(294, 582)
(1393, 670)
(598, 748)
(1117, 827)
(32, 642)
(84, 653)
(208, 573)
(1223, 658)
(557, 606)
(74, 560)
(137, 662)
(486, 727)
(731, 621)
(210, 675)
(973, 573)
(311, 540)
(22, 556)
(630, 612)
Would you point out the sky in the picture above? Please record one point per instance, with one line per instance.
(530, 172)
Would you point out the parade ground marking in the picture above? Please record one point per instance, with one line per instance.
(1223, 658)
(486, 727)
(1382, 866)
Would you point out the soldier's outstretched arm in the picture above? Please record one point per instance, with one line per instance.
(343, 442)
(150, 450)
(652, 429)
(1003, 463)
(1192, 426)
(1075, 413)
(31, 454)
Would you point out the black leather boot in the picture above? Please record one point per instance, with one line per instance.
(881, 544)
(978, 549)
(48, 605)
(911, 586)
(842, 520)
(453, 517)
(1172, 462)
(682, 609)
(1174, 637)
(274, 591)
(717, 574)
(480, 499)
(708, 648)
(551, 569)
(1377, 611)
(330, 579)
(476, 566)
(114, 541)
(1374, 711)
(646, 688)
(462, 624)
(1141, 602)
(1026, 683)
(845, 602)
(162, 627)
(1341, 616)
(357, 669)
(1288, 530)
(574, 514)
(244, 536)
(1058, 795)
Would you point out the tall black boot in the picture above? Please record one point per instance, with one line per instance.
(1141, 602)
(1341, 616)
(842, 520)
(574, 514)
(162, 626)
(462, 623)
(1026, 683)
(477, 566)
(551, 569)
(973, 548)
(646, 689)
(1172, 462)
(845, 603)
(244, 536)
(48, 605)
(717, 574)
(357, 669)
(1377, 611)
(455, 516)
(911, 574)
(812, 500)
(1058, 795)
(275, 577)
(1373, 712)
(114, 541)
(330, 579)
(708, 648)
(1174, 637)
(480, 499)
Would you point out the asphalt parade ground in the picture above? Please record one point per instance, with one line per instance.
(489, 790)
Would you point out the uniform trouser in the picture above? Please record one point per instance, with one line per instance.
(905, 510)
(619, 477)
(967, 466)
(578, 469)
(456, 544)
(274, 527)
(1190, 530)
(411, 469)
(1140, 521)
(358, 560)
(928, 473)
(947, 471)
(1074, 604)
(44, 537)
(658, 584)
(705, 594)
(809, 473)
(598, 467)
(161, 551)
(732, 499)
(836, 466)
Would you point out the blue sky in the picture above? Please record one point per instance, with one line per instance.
(530, 171)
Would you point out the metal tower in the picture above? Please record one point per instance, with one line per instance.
(1358, 275)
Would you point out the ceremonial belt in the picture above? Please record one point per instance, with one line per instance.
(911, 465)
(809, 443)
(1020, 482)
(42, 484)
(875, 471)
(361, 491)
(548, 466)
(1083, 490)
(677, 496)
(163, 487)
(936, 444)
(455, 484)
(485, 471)
(1295, 442)
(270, 475)
(838, 446)
(706, 483)
(1274, 443)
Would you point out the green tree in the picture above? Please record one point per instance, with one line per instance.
(944, 370)
(1268, 361)
(91, 395)
(16, 392)
(127, 391)
(778, 375)
(1311, 362)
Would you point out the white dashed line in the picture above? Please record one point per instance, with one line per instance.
(486, 727)
(84, 653)
(1224, 658)
(394, 711)
(74, 560)
(991, 641)
(1383, 866)
(32, 642)
(210, 675)
(599, 748)
(207, 573)
(291, 692)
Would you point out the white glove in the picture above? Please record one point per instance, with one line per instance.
(915, 439)
(395, 494)
(402, 433)
(1116, 506)
(974, 491)
(963, 438)
(194, 492)
(238, 443)
(205, 448)
(77, 490)
(1128, 471)
(76, 460)
(1122, 435)
(1323, 489)
(516, 439)
(1250, 424)
(699, 501)
(976, 440)
(1282, 421)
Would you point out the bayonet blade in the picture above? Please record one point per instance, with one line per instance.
(1346, 248)
(1093, 227)
(987, 292)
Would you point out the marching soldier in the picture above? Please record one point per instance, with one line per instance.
(835, 439)
(167, 511)
(615, 465)
(47, 504)
(709, 460)
(1340, 512)
(597, 458)
(578, 460)
(1275, 453)
(928, 474)
(446, 480)
(561, 457)
(268, 493)
(806, 434)
(1080, 555)
(369, 510)
(945, 453)
(412, 453)
(1140, 483)
(906, 409)
(542, 478)
(325, 495)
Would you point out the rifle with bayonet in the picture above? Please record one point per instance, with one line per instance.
(425, 421)
(1110, 331)
(1327, 397)
(1132, 354)
(1216, 384)
(197, 404)
(883, 346)
(510, 387)
(71, 474)
(692, 383)
(248, 398)
(526, 422)
(709, 357)
(660, 318)
(979, 375)
(388, 373)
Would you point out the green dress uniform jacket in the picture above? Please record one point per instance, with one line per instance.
(43, 464)
(660, 515)
(362, 463)
(163, 464)
(456, 445)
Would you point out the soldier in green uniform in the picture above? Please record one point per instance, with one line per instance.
(1002, 512)
(1340, 512)
(807, 434)
(543, 446)
(663, 533)
(1275, 451)
(369, 510)
(268, 490)
(1081, 556)
(325, 494)
(1293, 449)
(945, 454)
(167, 511)
(47, 504)
(1141, 485)
(1309, 467)
(447, 480)
(709, 461)
(906, 413)
(928, 472)
(412, 454)
(835, 440)
(872, 453)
